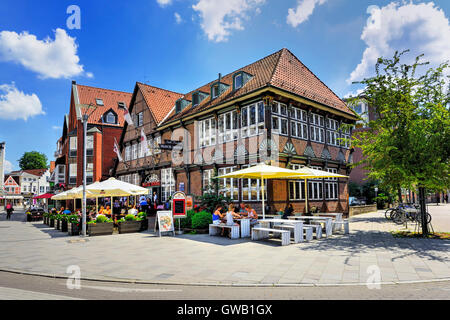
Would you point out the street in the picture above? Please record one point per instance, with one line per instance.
(18, 286)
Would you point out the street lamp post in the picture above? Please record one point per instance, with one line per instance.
(85, 116)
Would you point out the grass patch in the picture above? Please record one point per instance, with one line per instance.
(417, 235)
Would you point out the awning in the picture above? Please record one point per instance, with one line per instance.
(44, 196)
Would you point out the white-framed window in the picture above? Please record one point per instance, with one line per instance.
(72, 173)
(279, 118)
(156, 143)
(99, 102)
(139, 119)
(90, 170)
(167, 184)
(207, 132)
(110, 117)
(332, 132)
(228, 126)
(73, 146)
(252, 119)
(296, 187)
(90, 142)
(127, 152)
(207, 175)
(251, 188)
(229, 187)
(331, 186)
(41, 189)
(316, 124)
(134, 148)
(345, 134)
(315, 187)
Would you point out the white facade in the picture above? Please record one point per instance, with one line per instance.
(2, 165)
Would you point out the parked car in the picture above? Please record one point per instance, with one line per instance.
(356, 202)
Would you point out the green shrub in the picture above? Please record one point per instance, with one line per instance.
(187, 221)
(102, 219)
(130, 217)
(73, 218)
(142, 215)
(201, 220)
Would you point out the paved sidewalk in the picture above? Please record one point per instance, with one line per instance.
(201, 259)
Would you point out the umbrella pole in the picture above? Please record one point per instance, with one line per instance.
(264, 207)
(96, 205)
(306, 196)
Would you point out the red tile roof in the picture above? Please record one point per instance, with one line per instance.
(36, 172)
(159, 101)
(111, 98)
(282, 70)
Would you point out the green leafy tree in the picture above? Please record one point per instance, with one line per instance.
(211, 197)
(33, 160)
(408, 144)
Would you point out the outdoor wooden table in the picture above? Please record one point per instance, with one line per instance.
(245, 227)
(327, 221)
(298, 226)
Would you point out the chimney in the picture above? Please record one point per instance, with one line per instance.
(74, 82)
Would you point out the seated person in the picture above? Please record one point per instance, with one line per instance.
(61, 210)
(242, 210)
(107, 211)
(217, 215)
(230, 215)
(288, 211)
(251, 214)
(102, 210)
(67, 211)
(133, 210)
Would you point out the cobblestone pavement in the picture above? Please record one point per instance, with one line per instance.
(201, 259)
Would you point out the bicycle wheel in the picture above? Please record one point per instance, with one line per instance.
(399, 217)
(388, 212)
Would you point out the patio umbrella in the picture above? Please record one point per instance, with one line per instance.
(115, 188)
(310, 173)
(263, 171)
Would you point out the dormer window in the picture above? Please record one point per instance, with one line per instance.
(110, 117)
(121, 105)
(217, 89)
(180, 104)
(198, 97)
(99, 102)
(240, 79)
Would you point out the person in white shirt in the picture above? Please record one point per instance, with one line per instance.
(133, 210)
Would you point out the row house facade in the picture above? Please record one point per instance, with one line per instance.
(11, 191)
(105, 124)
(275, 108)
(30, 183)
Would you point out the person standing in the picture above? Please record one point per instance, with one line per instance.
(9, 210)
(155, 200)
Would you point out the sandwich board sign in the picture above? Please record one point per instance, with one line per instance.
(165, 222)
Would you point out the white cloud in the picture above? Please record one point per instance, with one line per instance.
(304, 9)
(56, 127)
(48, 58)
(15, 104)
(7, 166)
(164, 3)
(178, 18)
(220, 17)
(423, 28)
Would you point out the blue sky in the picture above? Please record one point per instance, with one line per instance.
(182, 44)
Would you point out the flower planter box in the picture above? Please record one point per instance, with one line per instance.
(63, 225)
(52, 223)
(100, 229)
(58, 225)
(130, 226)
(144, 224)
(73, 229)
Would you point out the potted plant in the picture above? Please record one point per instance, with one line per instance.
(63, 222)
(58, 218)
(144, 221)
(51, 219)
(129, 224)
(45, 216)
(100, 226)
(73, 225)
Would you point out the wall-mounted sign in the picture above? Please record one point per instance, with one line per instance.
(172, 142)
(181, 186)
(151, 181)
(179, 204)
(189, 203)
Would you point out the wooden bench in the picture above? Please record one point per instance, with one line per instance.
(337, 226)
(215, 229)
(259, 233)
(317, 228)
(297, 237)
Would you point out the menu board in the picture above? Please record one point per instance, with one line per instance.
(165, 222)
(179, 204)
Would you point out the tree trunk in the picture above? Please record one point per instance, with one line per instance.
(423, 211)
(399, 194)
